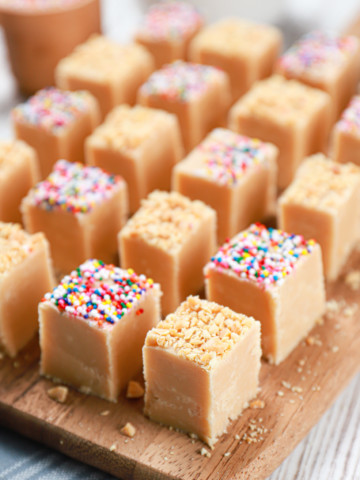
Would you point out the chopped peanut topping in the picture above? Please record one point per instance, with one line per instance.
(257, 403)
(59, 394)
(134, 390)
(128, 430)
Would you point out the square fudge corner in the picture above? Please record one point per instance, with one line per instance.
(323, 202)
(80, 209)
(199, 95)
(25, 276)
(170, 239)
(292, 116)
(93, 326)
(201, 368)
(274, 276)
(345, 139)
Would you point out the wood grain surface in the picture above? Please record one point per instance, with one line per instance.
(296, 393)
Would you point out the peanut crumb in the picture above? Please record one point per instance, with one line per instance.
(134, 390)
(237, 437)
(296, 389)
(59, 394)
(113, 447)
(335, 349)
(128, 430)
(227, 454)
(205, 453)
(257, 403)
(104, 413)
(286, 384)
(280, 393)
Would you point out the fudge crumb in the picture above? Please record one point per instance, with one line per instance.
(286, 384)
(296, 389)
(134, 390)
(113, 447)
(104, 413)
(302, 362)
(205, 453)
(227, 454)
(59, 394)
(280, 393)
(257, 403)
(352, 279)
(128, 430)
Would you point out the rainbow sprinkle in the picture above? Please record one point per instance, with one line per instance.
(74, 187)
(227, 156)
(99, 293)
(181, 81)
(350, 119)
(265, 256)
(52, 109)
(171, 20)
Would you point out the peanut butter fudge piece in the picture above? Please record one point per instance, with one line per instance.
(346, 134)
(323, 202)
(111, 72)
(323, 61)
(170, 239)
(274, 276)
(55, 123)
(19, 171)
(25, 276)
(93, 326)
(245, 50)
(199, 96)
(167, 29)
(235, 175)
(141, 144)
(80, 209)
(291, 115)
(201, 367)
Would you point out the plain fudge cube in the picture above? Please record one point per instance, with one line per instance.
(346, 134)
(274, 276)
(235, 175)
(245, 50)
(93, 326)
(55, 123)
(170, 239)
(19, 172)
(291, 115)
(329, 63)
(167, 29)
(199, 96)
(80, 209)
(26, 275)
(323, 202)
(111, 72)
(141, 144)
(201, 368)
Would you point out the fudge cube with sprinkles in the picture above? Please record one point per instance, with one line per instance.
(292, 116)
(326, 62)
(245, 50)
(345, 143)
(93, 326)
(19, 171)
(25, 276)
(233, 174)
(201, 368)
(274, 276)
(55, 123)
(167, 29)
(199, 96)
(170, 238)
(323, 203)
(111, 72)
(80, 209)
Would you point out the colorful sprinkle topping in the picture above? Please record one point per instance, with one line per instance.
(100, 293)
(317, 51)
(262, 255)
(170, 20)
(52, 109)
(181, 81)
(74, 187)
(350, 119)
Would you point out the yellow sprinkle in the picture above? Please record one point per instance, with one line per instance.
(130, 271)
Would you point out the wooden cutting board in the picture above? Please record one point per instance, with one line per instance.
(295, 395)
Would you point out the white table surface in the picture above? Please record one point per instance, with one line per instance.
(332, 449)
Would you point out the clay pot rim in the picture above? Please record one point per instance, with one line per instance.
(31, 11)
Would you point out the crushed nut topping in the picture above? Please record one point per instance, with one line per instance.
(128, 430)
(134, 390)
(59, 393)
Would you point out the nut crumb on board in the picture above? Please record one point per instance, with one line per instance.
(113, 447)
(204, 452)
(128, 430)
(352, 279)
(104, 413)
(227, 454)
(59, 393)
(257, 403)
(134, 390)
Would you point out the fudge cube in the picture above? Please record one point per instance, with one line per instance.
(80, 209)
(26, 276)
(274, 276)
(199, 96)
(346, 134)
(201, 367)
(323, 202)
(93, 326)
(233, 174)
(167, 30)
(291, 115)
(55, 123)
(19, 171)
(246, 51)
(326, 62)
(111, 72)
(141, 144)
(170, 238)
